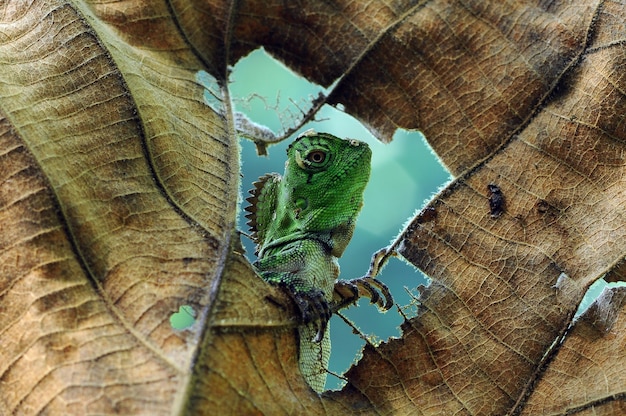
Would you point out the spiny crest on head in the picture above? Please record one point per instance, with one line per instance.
(308, 133)
(258, 211)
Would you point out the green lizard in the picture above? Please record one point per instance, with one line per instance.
(302, 222)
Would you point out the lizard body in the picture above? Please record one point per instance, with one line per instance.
(302, 222)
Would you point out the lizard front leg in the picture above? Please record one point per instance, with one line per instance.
(307, 270)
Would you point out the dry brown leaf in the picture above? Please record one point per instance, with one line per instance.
(119, 195)
(583, 375)
(118, 191)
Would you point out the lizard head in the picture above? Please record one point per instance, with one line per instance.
(326, 179)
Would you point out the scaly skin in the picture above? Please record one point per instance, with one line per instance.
(302, 223)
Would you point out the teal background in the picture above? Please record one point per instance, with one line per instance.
(405, 175)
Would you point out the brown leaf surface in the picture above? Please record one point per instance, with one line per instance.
(119, 194)
(118, 191)
(583, 375)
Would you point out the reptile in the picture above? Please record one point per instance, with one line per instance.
(301, 223)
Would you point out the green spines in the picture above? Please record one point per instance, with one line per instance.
(262, 205)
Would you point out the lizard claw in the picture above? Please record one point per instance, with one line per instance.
(347, 292)
(313, 307)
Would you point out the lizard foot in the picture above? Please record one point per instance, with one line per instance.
(313, 307)
(347, 292)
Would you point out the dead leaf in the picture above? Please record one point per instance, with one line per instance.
(118, 193)
(584, 376)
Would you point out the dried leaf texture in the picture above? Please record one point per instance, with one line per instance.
(119, 197)
(468, 74)
(64, 351)
(118, 189)
(248, 364)
(526, 96)
(587, 374)
(471, 73)
(504, 289)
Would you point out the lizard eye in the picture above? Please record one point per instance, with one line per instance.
(313, 160)
(316, 156)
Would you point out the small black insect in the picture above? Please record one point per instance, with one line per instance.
(496, 200)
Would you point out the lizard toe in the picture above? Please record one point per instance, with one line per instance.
(348, 292)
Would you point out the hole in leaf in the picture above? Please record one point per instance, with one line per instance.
(592, 294)
(184, 318)
(278, 102)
